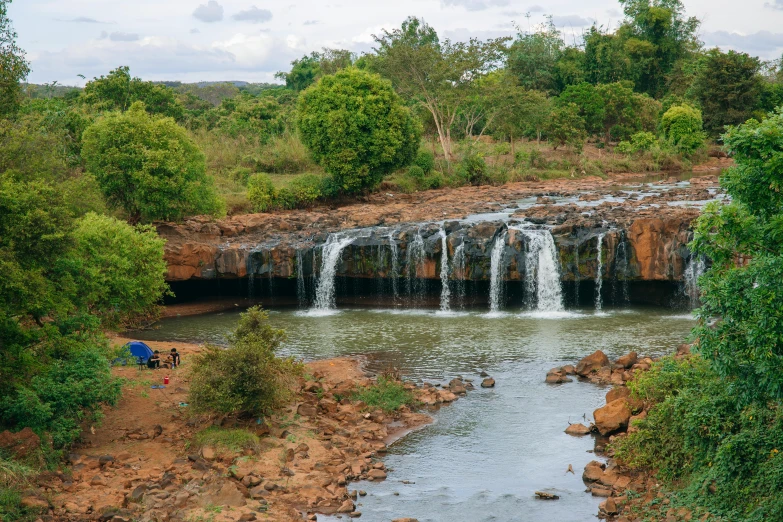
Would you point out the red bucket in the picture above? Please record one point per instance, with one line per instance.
(166, 380)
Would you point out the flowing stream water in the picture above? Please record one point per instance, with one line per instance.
(541, 259)
(324, 292)
(485, 455)
(496, 273)
(599, 274)
(445, 292)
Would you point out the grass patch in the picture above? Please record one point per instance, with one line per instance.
(13, 478)
(232, 439)
(386, 394)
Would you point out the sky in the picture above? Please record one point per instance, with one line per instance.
(250, 40)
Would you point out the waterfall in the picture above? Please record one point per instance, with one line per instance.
(395, 271)
(332, 249)
(415, 258)
(445, 292)
(496, 273)
(621, 266)
(459, 267)
(695, 269)
(541, 259)
(301, 293)
(599, 274)
(577, 275)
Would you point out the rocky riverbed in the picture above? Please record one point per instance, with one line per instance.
(140, 464)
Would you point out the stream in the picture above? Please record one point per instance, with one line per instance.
(485, 455)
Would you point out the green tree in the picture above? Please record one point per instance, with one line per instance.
(357, 128)
(626, 112)
(682, 126)
(148, 166)
(533, 58)
(569, 68)
(306, 70)
(120, 267)
(246, 377)
(526, 116)
(591, 105)
(14, 67)
(438, 76)
(656, 35)
(605, 58)
(118, 91)
(566, 127)
(741, 321)
(727, 87)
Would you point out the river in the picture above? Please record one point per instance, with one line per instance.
(485, 455)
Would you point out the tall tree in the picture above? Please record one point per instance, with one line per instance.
(728, 88)
(605, 58)
(438, 75)
(306, 70)
(656, 34)
(533, 58)
(119, 90)
(14, 67)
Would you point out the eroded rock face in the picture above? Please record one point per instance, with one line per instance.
(592, 363)
(639, 242)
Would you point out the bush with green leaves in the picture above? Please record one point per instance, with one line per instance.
(305, 190)
(245, 377)
(261, 192)
(387, 394)
(682, 126)
(473, 169)
(566, 127)
(416, 172)
(357, 128)
(425, 160)
(148, 166)
(640, 142)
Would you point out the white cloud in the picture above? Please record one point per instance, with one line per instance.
(83, 20)
(254, 15)
(476, 5)
(209, 12)
(571, 20)
(123, 37)
(777, 4)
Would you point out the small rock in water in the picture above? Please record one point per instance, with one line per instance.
(483, 374)
(543, 495)
(489, 382)
(577, 429)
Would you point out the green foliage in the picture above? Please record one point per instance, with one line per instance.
(416, 172)
(245, 377)
(727, 87)
(626, 112)
(231, 439)
(533, 57)
(606, 60)
(640, 142)
(473, 169)
(301, 192)
(566, 127)
(682, 126)
(306, 70)
(261, 192)
(121, 269)
(118, 91)
(357, 128)
(14, 66)
(148, 166)
(387, 394)
(590, 104)
(425, 160)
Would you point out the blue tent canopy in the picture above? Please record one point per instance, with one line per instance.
(140, 350)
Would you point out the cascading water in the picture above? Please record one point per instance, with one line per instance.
(459, 268)
(332, 249)
(445, 292)
(541, 259)
(395, 261)
(496, 273)
(414, 260)
(621, 267)
(695, 269)
(301, 292)
(599, 274)
(577, 275)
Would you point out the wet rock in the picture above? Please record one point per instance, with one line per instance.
(457, 387)
(592, 363)
(376, 474)
(627, 361)
(594, 470)
(577, 429)
(405, 520)
(483, 374)
(600, 491)
(556, 376)
(613, 417)
(489, 382)
(569, 369)
(618, 392)
(346, 507)
(547, 496)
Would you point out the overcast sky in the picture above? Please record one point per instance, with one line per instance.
(193, 40)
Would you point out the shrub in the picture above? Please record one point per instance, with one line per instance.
(285, 155)
(501, 149)
(416, 172)
(433, 181)
(261, 192)
(425, 160)
(641, 141)
(473, 169)
(566, 127)
(386, 394)
(682, 126)
(357, 128)
(241, 175)
(305, 189)
(148, 166)
(246, 377)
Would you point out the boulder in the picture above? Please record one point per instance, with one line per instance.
(489, 382)
(208, 452)
(307, 410)
(457, 387)
(556, 376)
(346, 507)
(594, 470)
(577, 429)
(613, 417)
(225, 494)
(592, 363)
(376, 474)
(627, 361)
(618, 392)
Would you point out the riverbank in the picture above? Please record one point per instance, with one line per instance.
(151, 459)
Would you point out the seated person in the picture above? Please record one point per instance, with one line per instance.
(154, 361)
(174, 358)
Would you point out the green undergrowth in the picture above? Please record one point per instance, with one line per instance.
(14, 477)
(714, 453)
(232, 439)
(387, 394)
